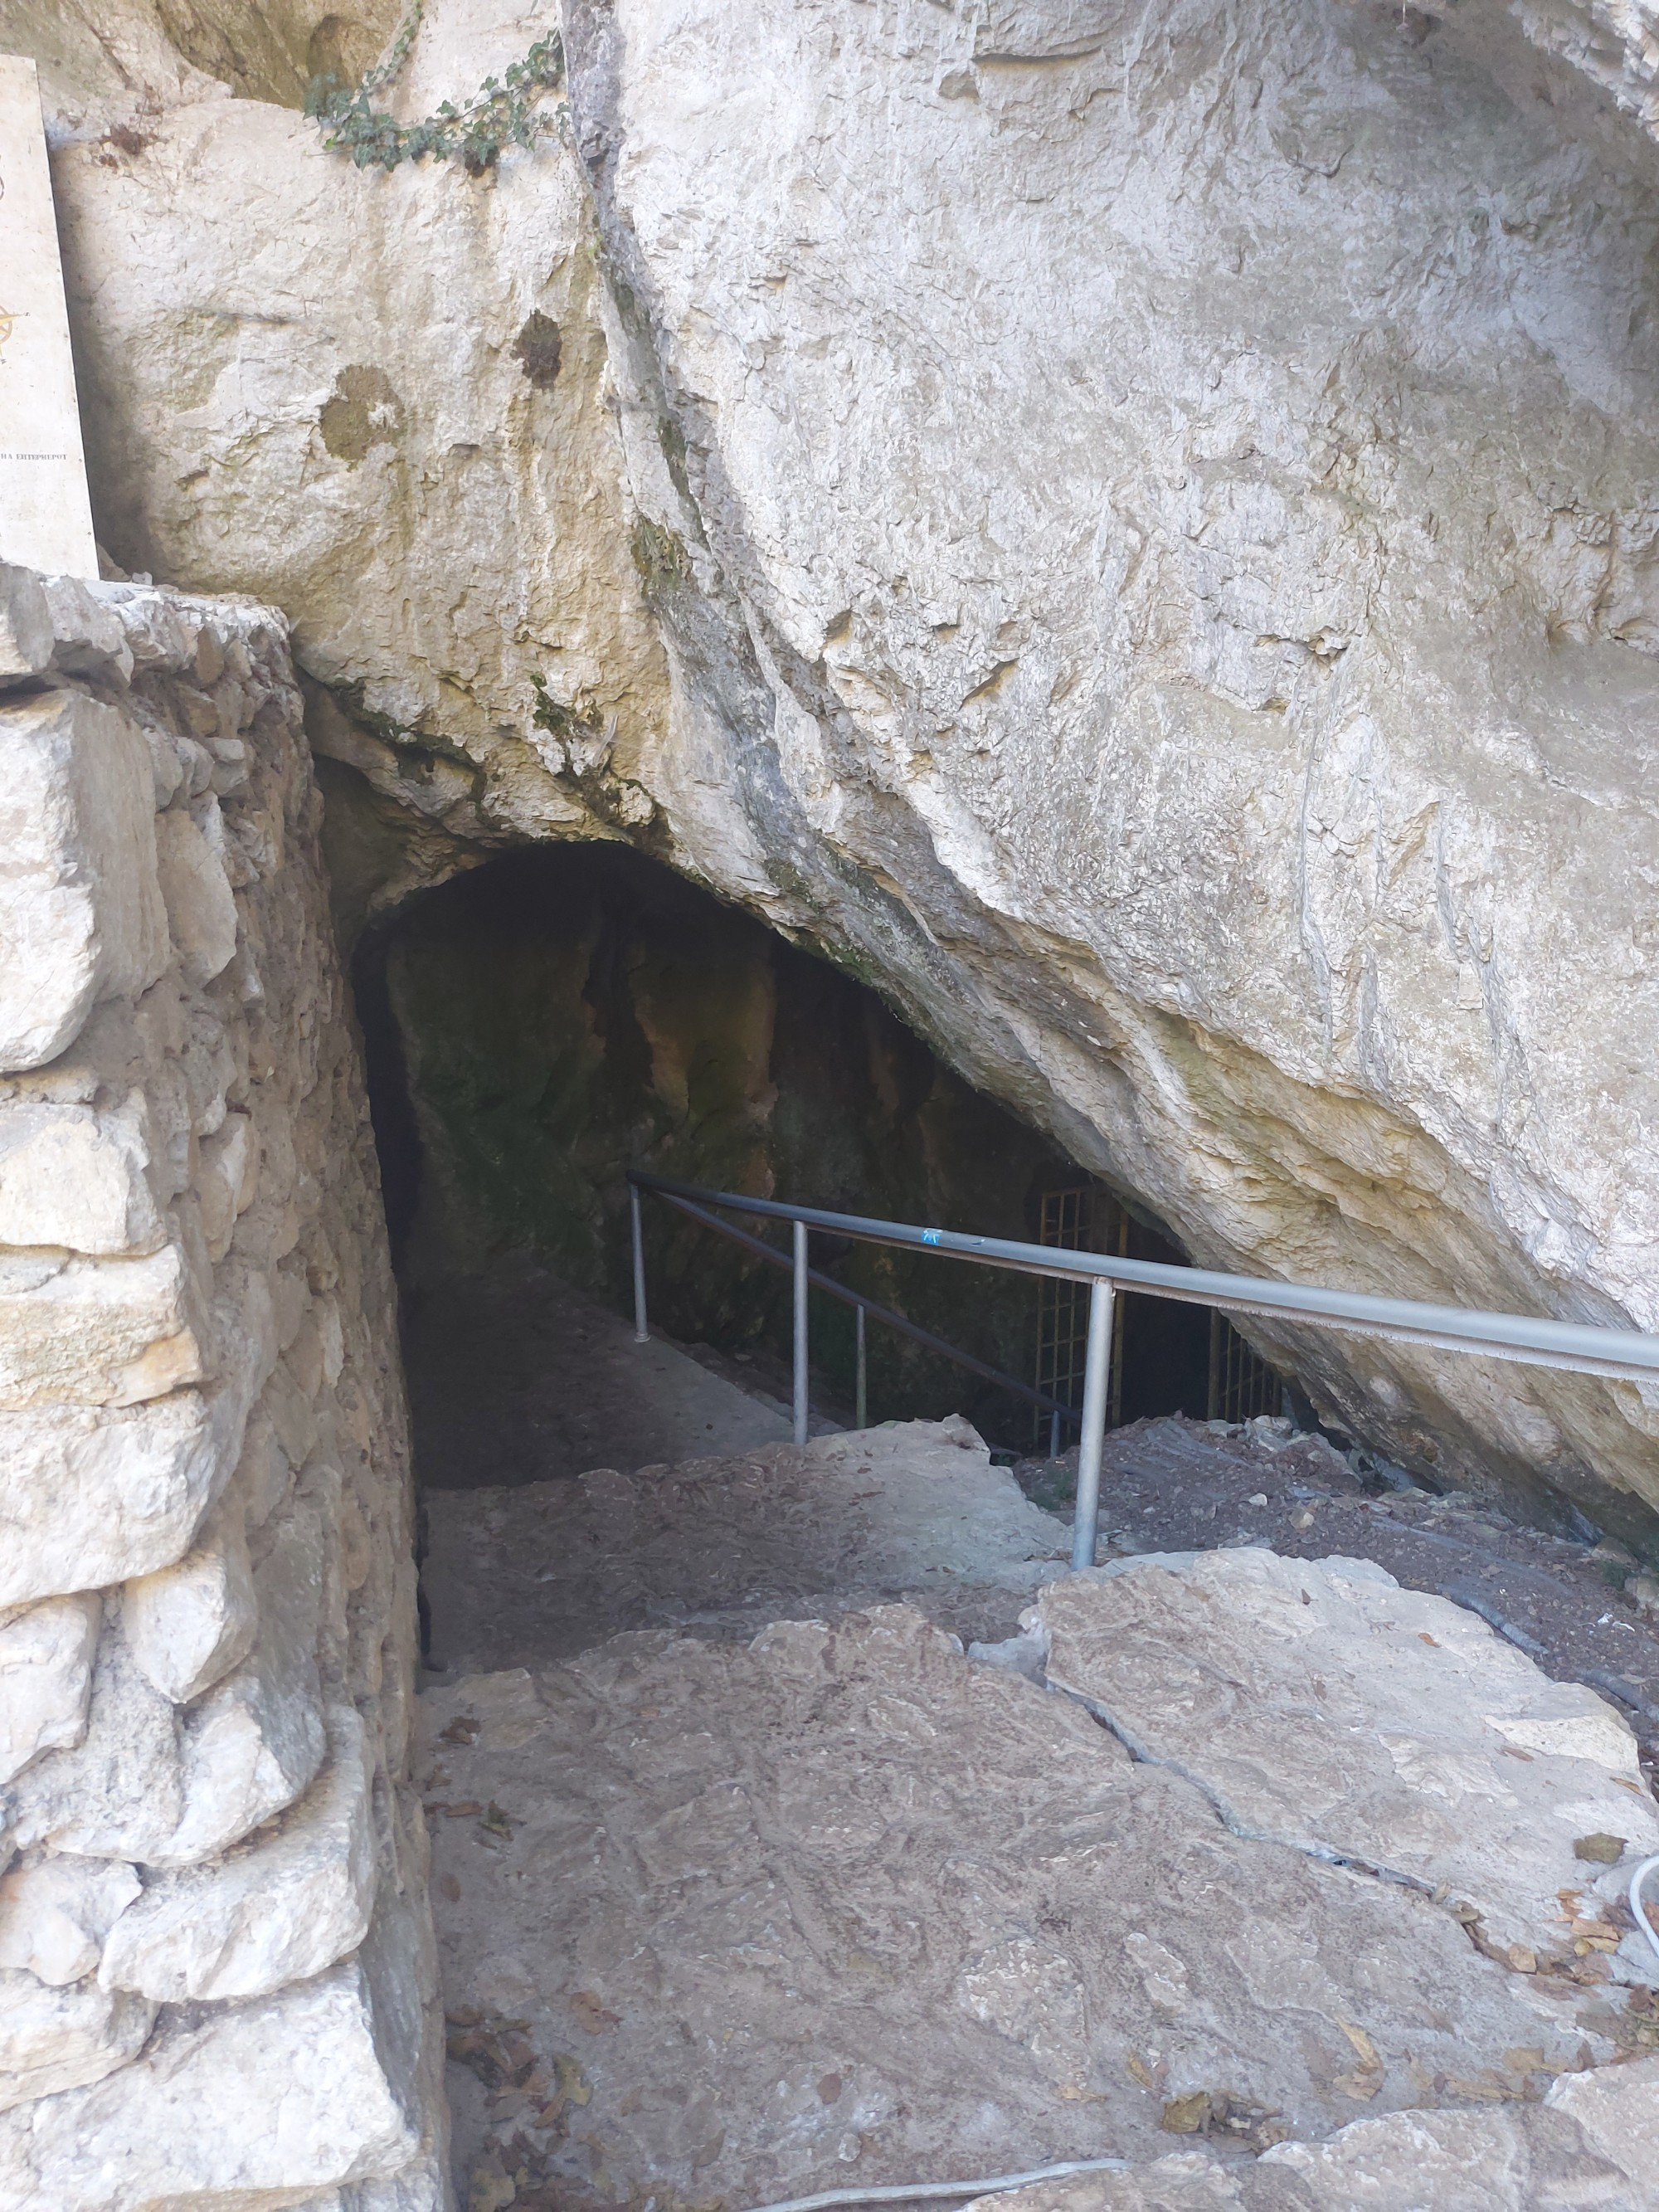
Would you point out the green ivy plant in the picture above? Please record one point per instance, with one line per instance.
(501, 113)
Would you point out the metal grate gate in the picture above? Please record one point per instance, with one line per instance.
(1242, 1384)
(1080, 1218)
(1067, 1225)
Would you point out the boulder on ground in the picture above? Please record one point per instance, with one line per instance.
(1318, 1704)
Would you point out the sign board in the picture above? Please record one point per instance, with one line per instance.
(45, 518)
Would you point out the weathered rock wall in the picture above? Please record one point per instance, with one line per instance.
(1136, 532)
(216, 1976)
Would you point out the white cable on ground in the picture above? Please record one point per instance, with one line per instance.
(1638, 1909)
(905, 2194)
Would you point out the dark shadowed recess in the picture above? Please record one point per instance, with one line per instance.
(536, 1026)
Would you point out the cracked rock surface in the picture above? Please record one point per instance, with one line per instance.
(725, 1922)
(1320, 1704)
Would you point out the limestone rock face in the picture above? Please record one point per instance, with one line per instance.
(506, 496)
(1019, 504)
(206, 1590)
(279, 1912)
(84, 916)
(1129, 622)
(45, 1677)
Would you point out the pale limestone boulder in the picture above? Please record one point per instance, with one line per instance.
(52, 2039)
(119, 1794)
(1435, 2163)
(189, 1624)
(226, 1179)
(26, 631)
(252, 1745)
(279, 1911)
(1591, 2146)
(1588, 2147)
(45, 1677)
(251, 2105)
(1319, 1705)
(78, 1176)
(200, 903)
(1616, 2109)
(90, 1332)
(82, 917)
(96, 1497)
(56, 1911)
(87, 639)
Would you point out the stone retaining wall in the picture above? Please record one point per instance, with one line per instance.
(216, 1961)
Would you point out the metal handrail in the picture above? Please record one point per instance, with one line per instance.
(828, 1283)
(1577, 1346)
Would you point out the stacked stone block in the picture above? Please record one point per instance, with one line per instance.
(216, 1963)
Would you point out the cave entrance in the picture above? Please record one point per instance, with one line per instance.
(1165, 1357)
(540, 1023)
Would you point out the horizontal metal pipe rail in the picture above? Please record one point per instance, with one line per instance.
(1564, 1344)
(828, 1283)
(1576, 1346)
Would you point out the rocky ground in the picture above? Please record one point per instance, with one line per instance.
(1585, 1611)
(526, 1575)
(780, 1888)
(515, 1377)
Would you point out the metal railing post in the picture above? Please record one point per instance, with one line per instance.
(861, 1393)
(1054, 1435)
(1097, 1388)
(801, 1417)
(641, 1333)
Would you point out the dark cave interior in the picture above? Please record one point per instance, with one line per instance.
(540, 1023)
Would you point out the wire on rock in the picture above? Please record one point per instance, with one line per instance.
(906, 2193)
